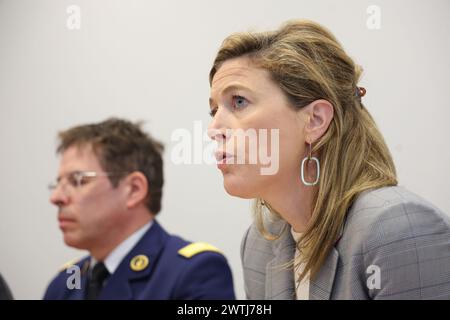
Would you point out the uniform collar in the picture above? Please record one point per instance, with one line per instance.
(116, 256)
(151, 244)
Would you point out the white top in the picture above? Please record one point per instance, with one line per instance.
(301, 288)
(116, 256)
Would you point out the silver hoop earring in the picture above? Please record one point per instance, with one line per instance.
(302, 171)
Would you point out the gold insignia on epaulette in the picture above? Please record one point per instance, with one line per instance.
(197, 247)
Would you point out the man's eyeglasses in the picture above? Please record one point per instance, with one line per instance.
(76, 179)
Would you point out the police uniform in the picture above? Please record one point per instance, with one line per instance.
(5, 293)
(160, 266)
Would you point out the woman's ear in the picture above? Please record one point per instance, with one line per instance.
(319, 114)
(137, 189)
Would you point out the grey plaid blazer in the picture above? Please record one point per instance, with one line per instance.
(390, 233)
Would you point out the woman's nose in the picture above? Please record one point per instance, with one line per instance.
(217, 134)
(217, 127)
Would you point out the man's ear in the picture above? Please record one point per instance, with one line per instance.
(319, 114)
(137, 189)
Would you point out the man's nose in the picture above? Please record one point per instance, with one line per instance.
(59, 197)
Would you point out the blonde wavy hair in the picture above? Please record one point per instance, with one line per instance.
(308, 64)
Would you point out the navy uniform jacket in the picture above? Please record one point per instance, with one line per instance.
(192, 273)
(5, 293)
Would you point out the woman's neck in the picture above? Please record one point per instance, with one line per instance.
(293, 201)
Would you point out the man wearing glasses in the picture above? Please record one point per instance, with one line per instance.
(108, 192)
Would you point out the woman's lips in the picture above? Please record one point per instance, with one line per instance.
(223, 157)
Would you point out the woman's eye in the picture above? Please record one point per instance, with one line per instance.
(239, 102)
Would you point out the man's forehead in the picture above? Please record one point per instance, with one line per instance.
(77, 156)
(81, 150)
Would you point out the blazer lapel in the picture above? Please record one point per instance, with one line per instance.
(279, 278)
(321, 286)
(280, 283)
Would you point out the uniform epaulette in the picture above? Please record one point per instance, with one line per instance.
(69, 263)
(195, 248)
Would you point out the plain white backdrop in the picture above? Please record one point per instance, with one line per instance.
(149, 60)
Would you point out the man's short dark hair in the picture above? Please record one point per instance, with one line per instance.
(121, 146)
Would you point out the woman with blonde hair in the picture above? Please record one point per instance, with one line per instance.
(331, 222)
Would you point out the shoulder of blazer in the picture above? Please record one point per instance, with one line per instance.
(389, 214)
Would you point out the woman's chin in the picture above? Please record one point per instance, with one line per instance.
(238, 188)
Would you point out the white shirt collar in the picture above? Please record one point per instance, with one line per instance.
(116, 256)
(296, 235)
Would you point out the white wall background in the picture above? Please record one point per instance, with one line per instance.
(149, 60)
